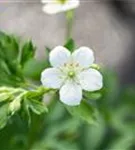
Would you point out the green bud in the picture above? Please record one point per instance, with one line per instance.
(15, 105)
(5, 89)
(93, 95)
(4, 96)
(95, 66)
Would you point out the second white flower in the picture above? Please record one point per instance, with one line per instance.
(56, 6)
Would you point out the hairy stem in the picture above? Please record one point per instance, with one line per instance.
(70, 18)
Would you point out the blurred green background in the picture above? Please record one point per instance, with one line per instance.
(111, 34)
(57, 130)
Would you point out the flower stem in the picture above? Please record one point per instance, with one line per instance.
(70, 18)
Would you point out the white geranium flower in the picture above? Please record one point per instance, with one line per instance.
(72, 73)
(56, 6)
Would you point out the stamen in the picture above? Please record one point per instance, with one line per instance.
(76, 64)
(65, 64)
(71, 64)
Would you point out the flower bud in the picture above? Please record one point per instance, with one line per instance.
(4, 96)
(15, 105)
(95, 66)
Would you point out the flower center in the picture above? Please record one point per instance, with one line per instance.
(71, 74)
(70, 70)
(61, 1)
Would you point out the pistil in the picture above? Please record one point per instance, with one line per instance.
(61, 1)
(71, 74)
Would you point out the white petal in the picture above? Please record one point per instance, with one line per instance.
(83, 56)
(52, 78)
(91, 80)
(52, 8)
(59, 56)
(70, 4)
(46, 1)
(71, 94)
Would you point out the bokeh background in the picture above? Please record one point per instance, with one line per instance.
(108, 27)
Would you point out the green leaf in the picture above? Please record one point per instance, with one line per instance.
(33, 95)
(34, 106)
(92, 95)
(9, 47)
(83, 111)
(93, 135)
(28, 52)
(122, 143)
(11, 73)
(2, 34)
(32, 102)
(46, 60)
(3, 115)
(4, 96)
(35, 74)
(15, 105)
(9, 52)
(37, 107)
(47, 50)
(111, 86)
(40, 65)
(70, 45)
(60, 145)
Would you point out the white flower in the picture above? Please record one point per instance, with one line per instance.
(56, 6)
(72, 73)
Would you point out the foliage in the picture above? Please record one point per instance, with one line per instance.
(17, 93)
(17, 76)
(27, 122)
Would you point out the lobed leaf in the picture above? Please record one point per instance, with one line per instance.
(4, 115)
(28, 52)
(70, 45)
(83, 111)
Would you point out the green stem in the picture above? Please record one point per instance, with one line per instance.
(34, 130)
(70, 18)
(28, 85)
(37, 122)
